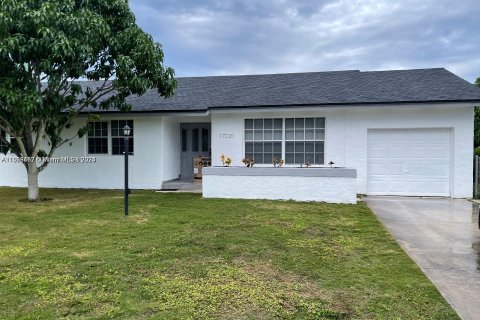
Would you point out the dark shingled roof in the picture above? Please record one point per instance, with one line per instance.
(312, 88)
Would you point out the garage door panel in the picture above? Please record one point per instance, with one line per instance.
(419, 152)
(438, 152)
(377, 152)
(409, 162)
(386, 169)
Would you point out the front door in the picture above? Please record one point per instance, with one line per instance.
(195, 140)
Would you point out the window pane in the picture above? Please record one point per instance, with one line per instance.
(320, 122)
(309, 134)
(258, 135)
(91, 147)
(258, 158)
(310, 123)
(258, 123)
(195, 140)
(289, 158)
(248, 134)
(299, 123)
(116, 145)
(319, 134)
(268, 135)
(289, 135)
(299, 158)
(277, 147)
(277, 156)
(289, 123)
(248, 123)
(268, 147)
(267, 158)
(278, 124)
(289, 147)
(309, 147)
(299, 134)
(130, 146)
(309, 157)
(299, 147)
(277, 135)
(319, 146)
(249, 147)
(268, 123)
(184, 140)
(249, 155)
(205, 140)
(319, 158)
(258, 147)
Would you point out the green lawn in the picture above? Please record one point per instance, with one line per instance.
(179, 256)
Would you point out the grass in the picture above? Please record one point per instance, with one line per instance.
(178, 256)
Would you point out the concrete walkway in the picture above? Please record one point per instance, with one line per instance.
(442, 236)
(182, 186)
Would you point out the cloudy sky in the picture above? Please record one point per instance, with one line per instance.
(218, 37)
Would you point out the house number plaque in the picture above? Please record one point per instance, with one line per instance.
(227, 136)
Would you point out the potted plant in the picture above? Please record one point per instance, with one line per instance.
(248, 162)
(225, 160)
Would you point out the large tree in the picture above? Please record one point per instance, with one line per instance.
(46, 47)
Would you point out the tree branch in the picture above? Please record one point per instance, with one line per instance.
(40, 132)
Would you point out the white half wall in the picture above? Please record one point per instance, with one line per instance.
(300, 184)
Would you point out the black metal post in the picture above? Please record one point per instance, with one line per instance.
(125, 148)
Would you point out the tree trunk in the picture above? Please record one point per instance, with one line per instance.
(32, 171)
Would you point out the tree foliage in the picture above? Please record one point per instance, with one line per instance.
(46, 46)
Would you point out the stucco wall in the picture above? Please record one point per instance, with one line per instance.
(157, 145)
(170, 148)
(346, 135)
(107, 172)
(339, 190)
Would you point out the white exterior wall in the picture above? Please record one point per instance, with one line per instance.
(340, 190)
(170, 148)
(346, 135)
(156, 139)
(157, 145)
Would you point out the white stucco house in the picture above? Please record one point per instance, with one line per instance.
(406, 132)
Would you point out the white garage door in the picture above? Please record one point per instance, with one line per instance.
(410, 162)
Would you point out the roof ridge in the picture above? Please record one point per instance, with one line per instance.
(271, 74)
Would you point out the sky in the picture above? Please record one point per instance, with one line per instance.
(215, 37)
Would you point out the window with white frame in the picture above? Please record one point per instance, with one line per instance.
(98, 137)
(304, 140)
(263, 139)
(118, 138)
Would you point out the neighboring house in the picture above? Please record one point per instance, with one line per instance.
(407, 132)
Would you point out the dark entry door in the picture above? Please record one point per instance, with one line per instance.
(195, 139)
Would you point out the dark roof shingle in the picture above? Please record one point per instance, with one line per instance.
(312, 88)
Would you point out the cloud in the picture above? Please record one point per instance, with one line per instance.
(214, 37)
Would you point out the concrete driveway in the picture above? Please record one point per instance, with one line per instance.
(442, 236)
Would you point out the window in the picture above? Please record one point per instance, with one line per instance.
(263, 139)
(117, 136)
(205, 140)
(184, 140)
(304, 140)
(195, 140)
(98, 138)
(3, 145)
